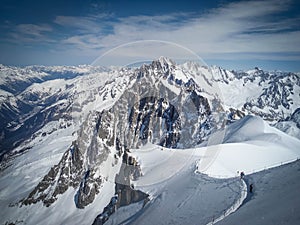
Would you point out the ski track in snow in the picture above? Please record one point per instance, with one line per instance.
(274, 199)
(235, 206)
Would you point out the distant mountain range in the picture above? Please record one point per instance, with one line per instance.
(32, 96)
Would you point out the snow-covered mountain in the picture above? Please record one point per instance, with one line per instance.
(274, 96)
(105, 139)
(28, 102)
(32, 96)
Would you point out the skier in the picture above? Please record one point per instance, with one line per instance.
(251, 188)
(242, 175)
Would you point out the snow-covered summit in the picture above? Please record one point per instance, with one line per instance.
(251, 145)
(164, 60)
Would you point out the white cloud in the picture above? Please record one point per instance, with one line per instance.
(81, 24)
(32, 29)
(240, 27)
(87, 41)
(28, 33)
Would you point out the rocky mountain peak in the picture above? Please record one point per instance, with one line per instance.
(162, 105)
(165, 61)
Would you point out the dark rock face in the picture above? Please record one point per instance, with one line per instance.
(296, 117)
(89, 188)
(125, 192)
(235, 114)
(277, 96)
(60, 177)
(74, 171)
(161, 116)
(151, 112)
(130, 170)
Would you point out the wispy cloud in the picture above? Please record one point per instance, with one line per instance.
(30, 33)
(256, 29)
(240, 27)
(88, 24)
(87, 41)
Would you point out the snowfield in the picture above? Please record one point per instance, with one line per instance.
(251, 145)
(275, 199)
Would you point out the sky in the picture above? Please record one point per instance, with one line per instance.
(231, 34)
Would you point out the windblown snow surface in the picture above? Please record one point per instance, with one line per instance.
(186, 186)
(275, 199)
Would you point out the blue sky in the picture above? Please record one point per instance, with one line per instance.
(232, 34)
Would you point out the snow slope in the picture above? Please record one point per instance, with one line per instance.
(275, 199)
(289, 127)
(251, 145)
(178, 194)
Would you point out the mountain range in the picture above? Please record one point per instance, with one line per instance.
(82, 135)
